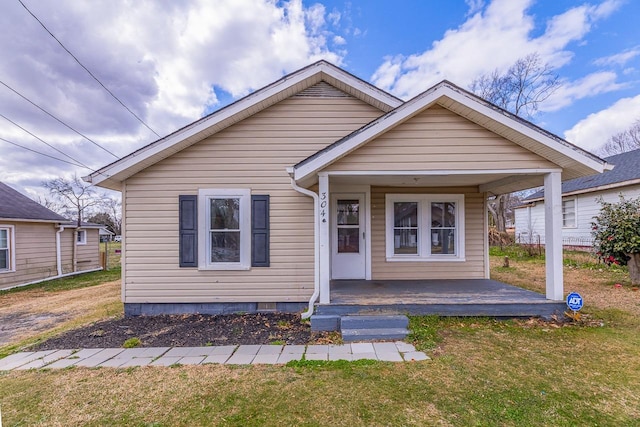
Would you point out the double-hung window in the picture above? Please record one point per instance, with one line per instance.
(6, 248)
(225, 215)
(424, 227)
(81, 238)
(569, 213)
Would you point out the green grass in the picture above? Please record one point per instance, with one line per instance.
(483, 372)
(82, 280)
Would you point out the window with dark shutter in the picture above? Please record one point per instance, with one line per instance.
(188, 231)
(260, 231)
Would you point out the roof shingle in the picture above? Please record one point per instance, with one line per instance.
(14, 205)
(626, 168)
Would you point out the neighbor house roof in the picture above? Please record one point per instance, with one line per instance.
(626, 171)
(574, 161)
(113, 174)
(16, 206)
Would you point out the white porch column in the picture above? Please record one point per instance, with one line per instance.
(553, 235)
(323, 217)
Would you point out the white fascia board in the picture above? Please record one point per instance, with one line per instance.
(439, 172)
(572, 152)
(255, 98)
(362, 86)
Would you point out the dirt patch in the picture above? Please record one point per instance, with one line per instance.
(31, 312)
(14, 324)
(190, 331)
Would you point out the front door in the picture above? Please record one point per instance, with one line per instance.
(348, 252)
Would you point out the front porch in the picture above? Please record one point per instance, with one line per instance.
(450, 297)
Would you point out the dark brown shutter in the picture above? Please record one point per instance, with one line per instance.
(260, 231)
(188, 231)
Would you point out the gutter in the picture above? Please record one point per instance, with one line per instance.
(58, 251)
(316, 251)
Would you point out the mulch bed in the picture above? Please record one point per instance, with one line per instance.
(192, 330)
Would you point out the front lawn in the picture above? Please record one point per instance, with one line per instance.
(483, 372)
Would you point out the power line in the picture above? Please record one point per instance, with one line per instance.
(42, 154)
(87, 70)
(57, 119)
(43, 141)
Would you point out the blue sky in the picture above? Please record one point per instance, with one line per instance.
(172, 62)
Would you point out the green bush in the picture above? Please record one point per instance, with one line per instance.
(616, 230)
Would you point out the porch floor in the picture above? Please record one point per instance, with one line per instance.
(472, 297)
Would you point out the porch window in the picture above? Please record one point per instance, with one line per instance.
(6, 243)
(569, 213)
(424, 227)
(225, 217)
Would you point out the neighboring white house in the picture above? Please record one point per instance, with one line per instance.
(580, 202)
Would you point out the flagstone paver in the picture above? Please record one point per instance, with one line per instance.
(227, 354)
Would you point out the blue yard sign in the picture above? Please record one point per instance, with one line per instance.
(574, 301)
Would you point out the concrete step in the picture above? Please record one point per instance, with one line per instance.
(374, 322)
(380, 334)
(325, 322)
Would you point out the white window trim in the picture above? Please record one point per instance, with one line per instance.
(83, 237)
(204, 248)
(424, 219)
(575, 212)
(12, 248)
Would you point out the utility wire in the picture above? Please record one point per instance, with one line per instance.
(44, 142)
(57, 119)
(42, 154)
(87, 70)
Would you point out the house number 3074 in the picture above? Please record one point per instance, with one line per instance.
(323, 206)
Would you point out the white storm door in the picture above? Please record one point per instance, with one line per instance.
(348, 249)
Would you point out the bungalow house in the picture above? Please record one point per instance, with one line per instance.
(321, 182)
(36, 244)
(580, 204)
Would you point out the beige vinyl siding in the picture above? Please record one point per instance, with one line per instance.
(251, 154)
(471, 268)
(89, 254)
(35, 253)
(438, 139)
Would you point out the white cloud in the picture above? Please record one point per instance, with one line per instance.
(474, 6)
(619, 59)
(494, 37)
(163, 59)
(593, 132)
(590, 85)
(339, 40)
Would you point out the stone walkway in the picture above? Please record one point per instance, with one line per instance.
(229, 354)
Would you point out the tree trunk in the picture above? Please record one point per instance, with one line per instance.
(634, 268)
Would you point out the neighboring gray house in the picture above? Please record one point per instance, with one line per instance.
(580, 202)
(38, 244)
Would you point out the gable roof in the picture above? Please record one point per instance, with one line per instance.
(575, 161)
(113, 174)
(16, 206)
(625, 172)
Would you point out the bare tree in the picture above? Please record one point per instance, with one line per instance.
(521, 89)
(77, 199)
(623, 141)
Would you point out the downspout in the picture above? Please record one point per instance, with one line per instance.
(316, 251)
(58, 250)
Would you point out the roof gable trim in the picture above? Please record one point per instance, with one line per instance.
(443, 90)
(190, 134)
